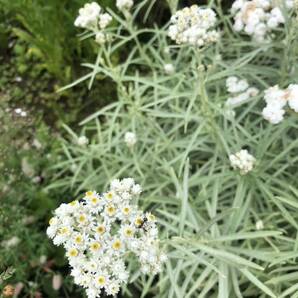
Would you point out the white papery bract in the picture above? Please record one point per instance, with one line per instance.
(277, 99)
(193, 25)
(124, 4)
(91, 18)
(100, 230)
(258, 18)
(242, 161)
(239, 90)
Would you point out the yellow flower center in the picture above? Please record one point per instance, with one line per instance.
(128, 232)
(64, 230)
(101, 280)
(82, 218)
(151, 217)
(126, 210)
(95, 246)
(89, 193)
(94, 200)
(73, 252)
(52, 221)
(111, 210)
(109, 196)
(117, 244)
(138, 221)
(78, 239)
(100, 229)
(73, 203)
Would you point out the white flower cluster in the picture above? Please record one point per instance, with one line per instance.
(242, 161)
(276, 100)
(82, 141)
(91, 18)
(99, 231)
(20, 112)
(240, 90)
(193, 25)
(124, 4)
(169, 68)
(258, 17)
(130, 139)
(259, 225)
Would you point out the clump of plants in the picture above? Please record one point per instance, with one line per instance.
(190, 128)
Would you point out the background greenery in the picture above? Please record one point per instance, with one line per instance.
(207, 212)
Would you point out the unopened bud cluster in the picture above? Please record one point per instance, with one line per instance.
(242, 161)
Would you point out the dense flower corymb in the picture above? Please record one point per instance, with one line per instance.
(258, 17)
(91, 18)
(242, 161)
(100, 230)
(88, 16)
(193, 25)
(276, 101)
(239, 90)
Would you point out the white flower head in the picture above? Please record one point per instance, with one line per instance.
(236, 85)
(92, 18)
(239, 90)
(275, 96)
(276, 100)
(193, 25)
(169, 68)
(124, 4)
(257, 18)
(130, 139)
(104, 20)
(97, 253)
(292, 96)
(82, 141)
(88, 16)
(100, 38)
(259, 225)
(242, 161)
(273, 113)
